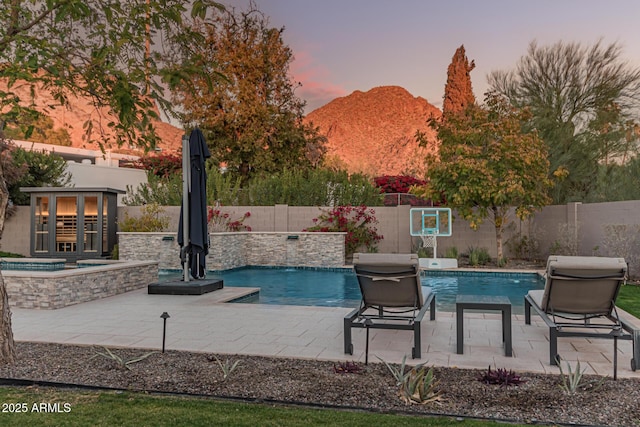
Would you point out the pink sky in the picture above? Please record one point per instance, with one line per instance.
(345, 45)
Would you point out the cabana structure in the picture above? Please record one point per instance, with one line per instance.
(72, 223)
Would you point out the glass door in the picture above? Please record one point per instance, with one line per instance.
(66, 224)
(91, 242)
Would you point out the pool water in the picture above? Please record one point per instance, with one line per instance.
(339, 287)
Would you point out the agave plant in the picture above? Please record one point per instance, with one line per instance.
(573, 380)
(120, 361)
(399, 373)
(226, 367)
(419, 387)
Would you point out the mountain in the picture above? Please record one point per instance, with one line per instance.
(374, 132)
(79, 110)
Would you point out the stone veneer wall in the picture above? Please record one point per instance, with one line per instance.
(57, 289)
(231, 250)
(161, 247)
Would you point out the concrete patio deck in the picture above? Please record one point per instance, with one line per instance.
(203, 323)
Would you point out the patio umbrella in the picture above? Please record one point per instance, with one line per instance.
(193, 213)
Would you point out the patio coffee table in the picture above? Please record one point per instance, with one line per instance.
(484, 303)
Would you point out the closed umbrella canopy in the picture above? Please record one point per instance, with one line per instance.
(195, 246)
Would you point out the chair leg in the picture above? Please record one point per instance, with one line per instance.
(417, 341)
(615, 357)
(553, 346)
(432, 309)
(527, 312)
(348, 346)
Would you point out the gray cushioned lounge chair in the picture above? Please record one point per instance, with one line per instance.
(578, 300)
(392, 297)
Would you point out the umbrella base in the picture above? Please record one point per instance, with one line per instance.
(192, 287)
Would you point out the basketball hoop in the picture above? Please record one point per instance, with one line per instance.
(428, 224)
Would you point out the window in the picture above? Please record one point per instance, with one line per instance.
(42, 224)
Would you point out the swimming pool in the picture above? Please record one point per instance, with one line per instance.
(339, 287)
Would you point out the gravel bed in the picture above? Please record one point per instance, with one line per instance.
(540, 399)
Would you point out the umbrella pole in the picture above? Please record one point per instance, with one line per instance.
(186, 169)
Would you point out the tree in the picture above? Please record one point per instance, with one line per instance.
(458, 94)
(583, 102)
(252, 119)
(39, 168)
(41, 129)
(95, 48)
(487, 164)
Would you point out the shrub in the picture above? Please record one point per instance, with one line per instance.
(501, 377)
(396, 183)
(221, 221)
(451, 252)
(347, 368)
(10, 255)
(478, 256)
(524, 246)
(35, 169)
(357, 221)
(623, 240)
(396, 189)
(567, 242)
(163, 165)
(164, 191)
(150, 220)
(316, 187)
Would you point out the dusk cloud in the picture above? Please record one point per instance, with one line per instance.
(316, 87)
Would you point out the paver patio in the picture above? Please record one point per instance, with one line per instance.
(204, 323)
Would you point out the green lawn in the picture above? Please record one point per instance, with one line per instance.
(137, 409)
(629, 299)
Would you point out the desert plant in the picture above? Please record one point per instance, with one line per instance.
(425, 252)
(417, 385)
(623, 240)
(420, 387)
(347, 368)
(120, 361)
(227, 367)
(502, 262)
(572, 381)
(151, 220)
(567, 242)
(399, 373)
(451, 252)
(500, 376)
(478, 256)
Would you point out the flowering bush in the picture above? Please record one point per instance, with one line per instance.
(163, 165)
(219, 221)
(396, 187)
(357, 221)
(396, 183)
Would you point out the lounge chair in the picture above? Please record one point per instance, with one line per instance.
(392, 297)
(578, 300)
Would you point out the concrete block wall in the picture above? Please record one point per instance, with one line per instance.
(394, 226)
